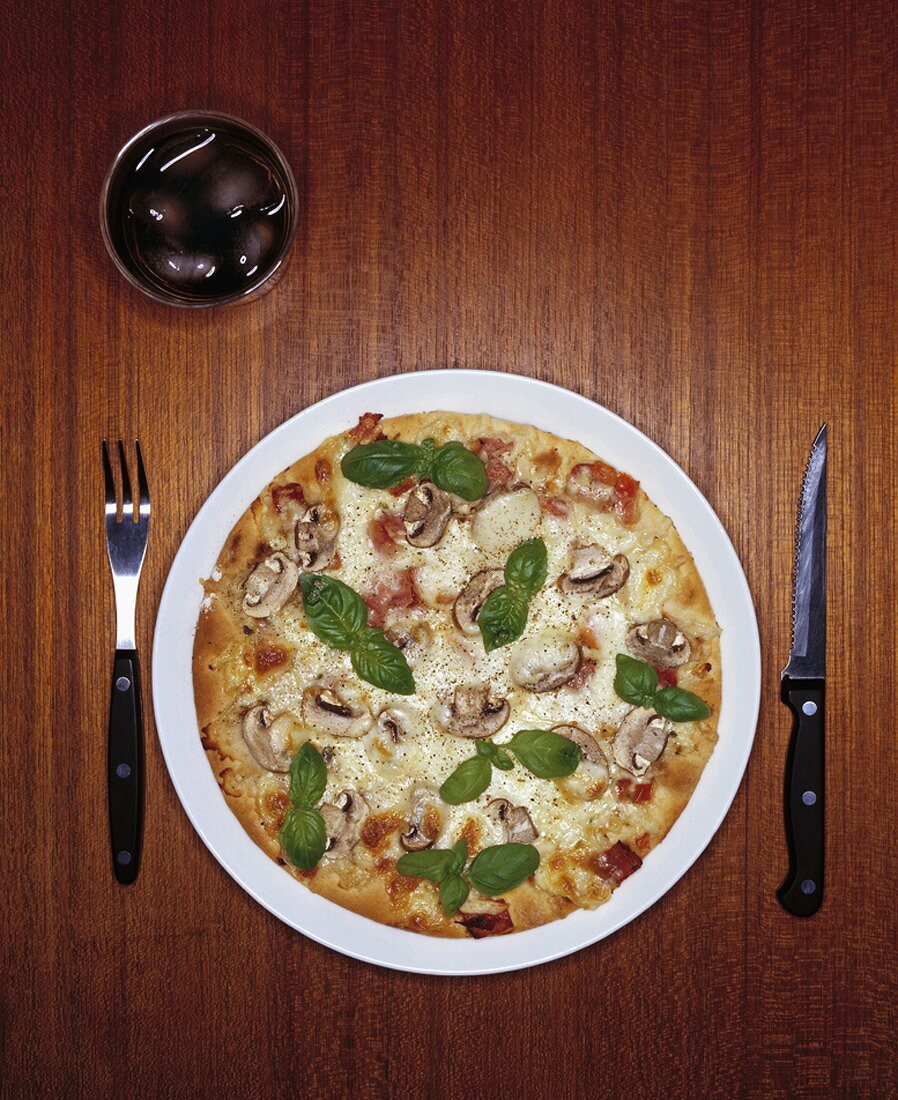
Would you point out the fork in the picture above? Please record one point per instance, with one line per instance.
(127, 526)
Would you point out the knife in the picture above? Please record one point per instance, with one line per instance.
(802, 690)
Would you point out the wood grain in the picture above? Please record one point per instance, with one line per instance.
(685, 210)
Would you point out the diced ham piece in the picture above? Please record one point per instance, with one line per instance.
(399, 591)
(617, 863)
(666, 676)
(580, 678)
(386, 533)
(558, 506)
(490, 452)
(487, 924)
(366, 429)
(628, 790)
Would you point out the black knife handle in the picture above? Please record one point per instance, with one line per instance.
(125, 766)
(802, 891)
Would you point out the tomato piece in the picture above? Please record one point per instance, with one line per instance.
(666, 676)
(284, 495)
(626, 490)
(402, 487)
(601, 471)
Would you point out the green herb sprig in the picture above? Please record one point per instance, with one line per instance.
(303, 834)
(543, 753)
(496, 870)
(636, 682)
(387, 462)
(504, 613)
(339, 616)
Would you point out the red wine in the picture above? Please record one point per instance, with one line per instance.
(200, 212)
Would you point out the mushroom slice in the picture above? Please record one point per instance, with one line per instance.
(343, 819)
(269, 586)
(595, 571)
(591, 749)
(426, 515)
(506, 519)
(315, 536)
(469, 602)
(414, 639)
(640, 740)
(268, 740)
(391, 728)
(339, 712)
(516, 824)
(591, 777)
(544, 662)
(660, 642)
(474, 712)
(426, 819)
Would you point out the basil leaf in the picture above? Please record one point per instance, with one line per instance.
(303, 836)
(527, 567)
(502, 867)
(453, 893)
(308, 776)
(546, 754)
(379, 662)
(503, 760)
(335, 613)
(432, 864)
(635, 681)
(382, 464)
(424, 461)
(502, 617)
(469, 780)
(679, 705)
(486, 748)
(457, 470)
(459, 856)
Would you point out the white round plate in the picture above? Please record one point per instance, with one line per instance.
(529, 402)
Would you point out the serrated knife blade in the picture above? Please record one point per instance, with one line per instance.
(807, 657)
(803, 691)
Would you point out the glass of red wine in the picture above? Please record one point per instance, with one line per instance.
(199, 209)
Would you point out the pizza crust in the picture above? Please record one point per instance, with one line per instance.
(227, 673)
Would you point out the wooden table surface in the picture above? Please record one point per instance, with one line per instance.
(687, 211)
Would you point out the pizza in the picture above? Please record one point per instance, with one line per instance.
(457, 674)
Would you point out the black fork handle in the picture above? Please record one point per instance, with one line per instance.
(125, 767)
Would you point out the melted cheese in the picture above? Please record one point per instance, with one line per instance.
(564, 821)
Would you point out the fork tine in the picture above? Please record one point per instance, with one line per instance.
(107, 477)
(143, 490)
(127, 501)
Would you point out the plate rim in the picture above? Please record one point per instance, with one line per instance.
(388, 947)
